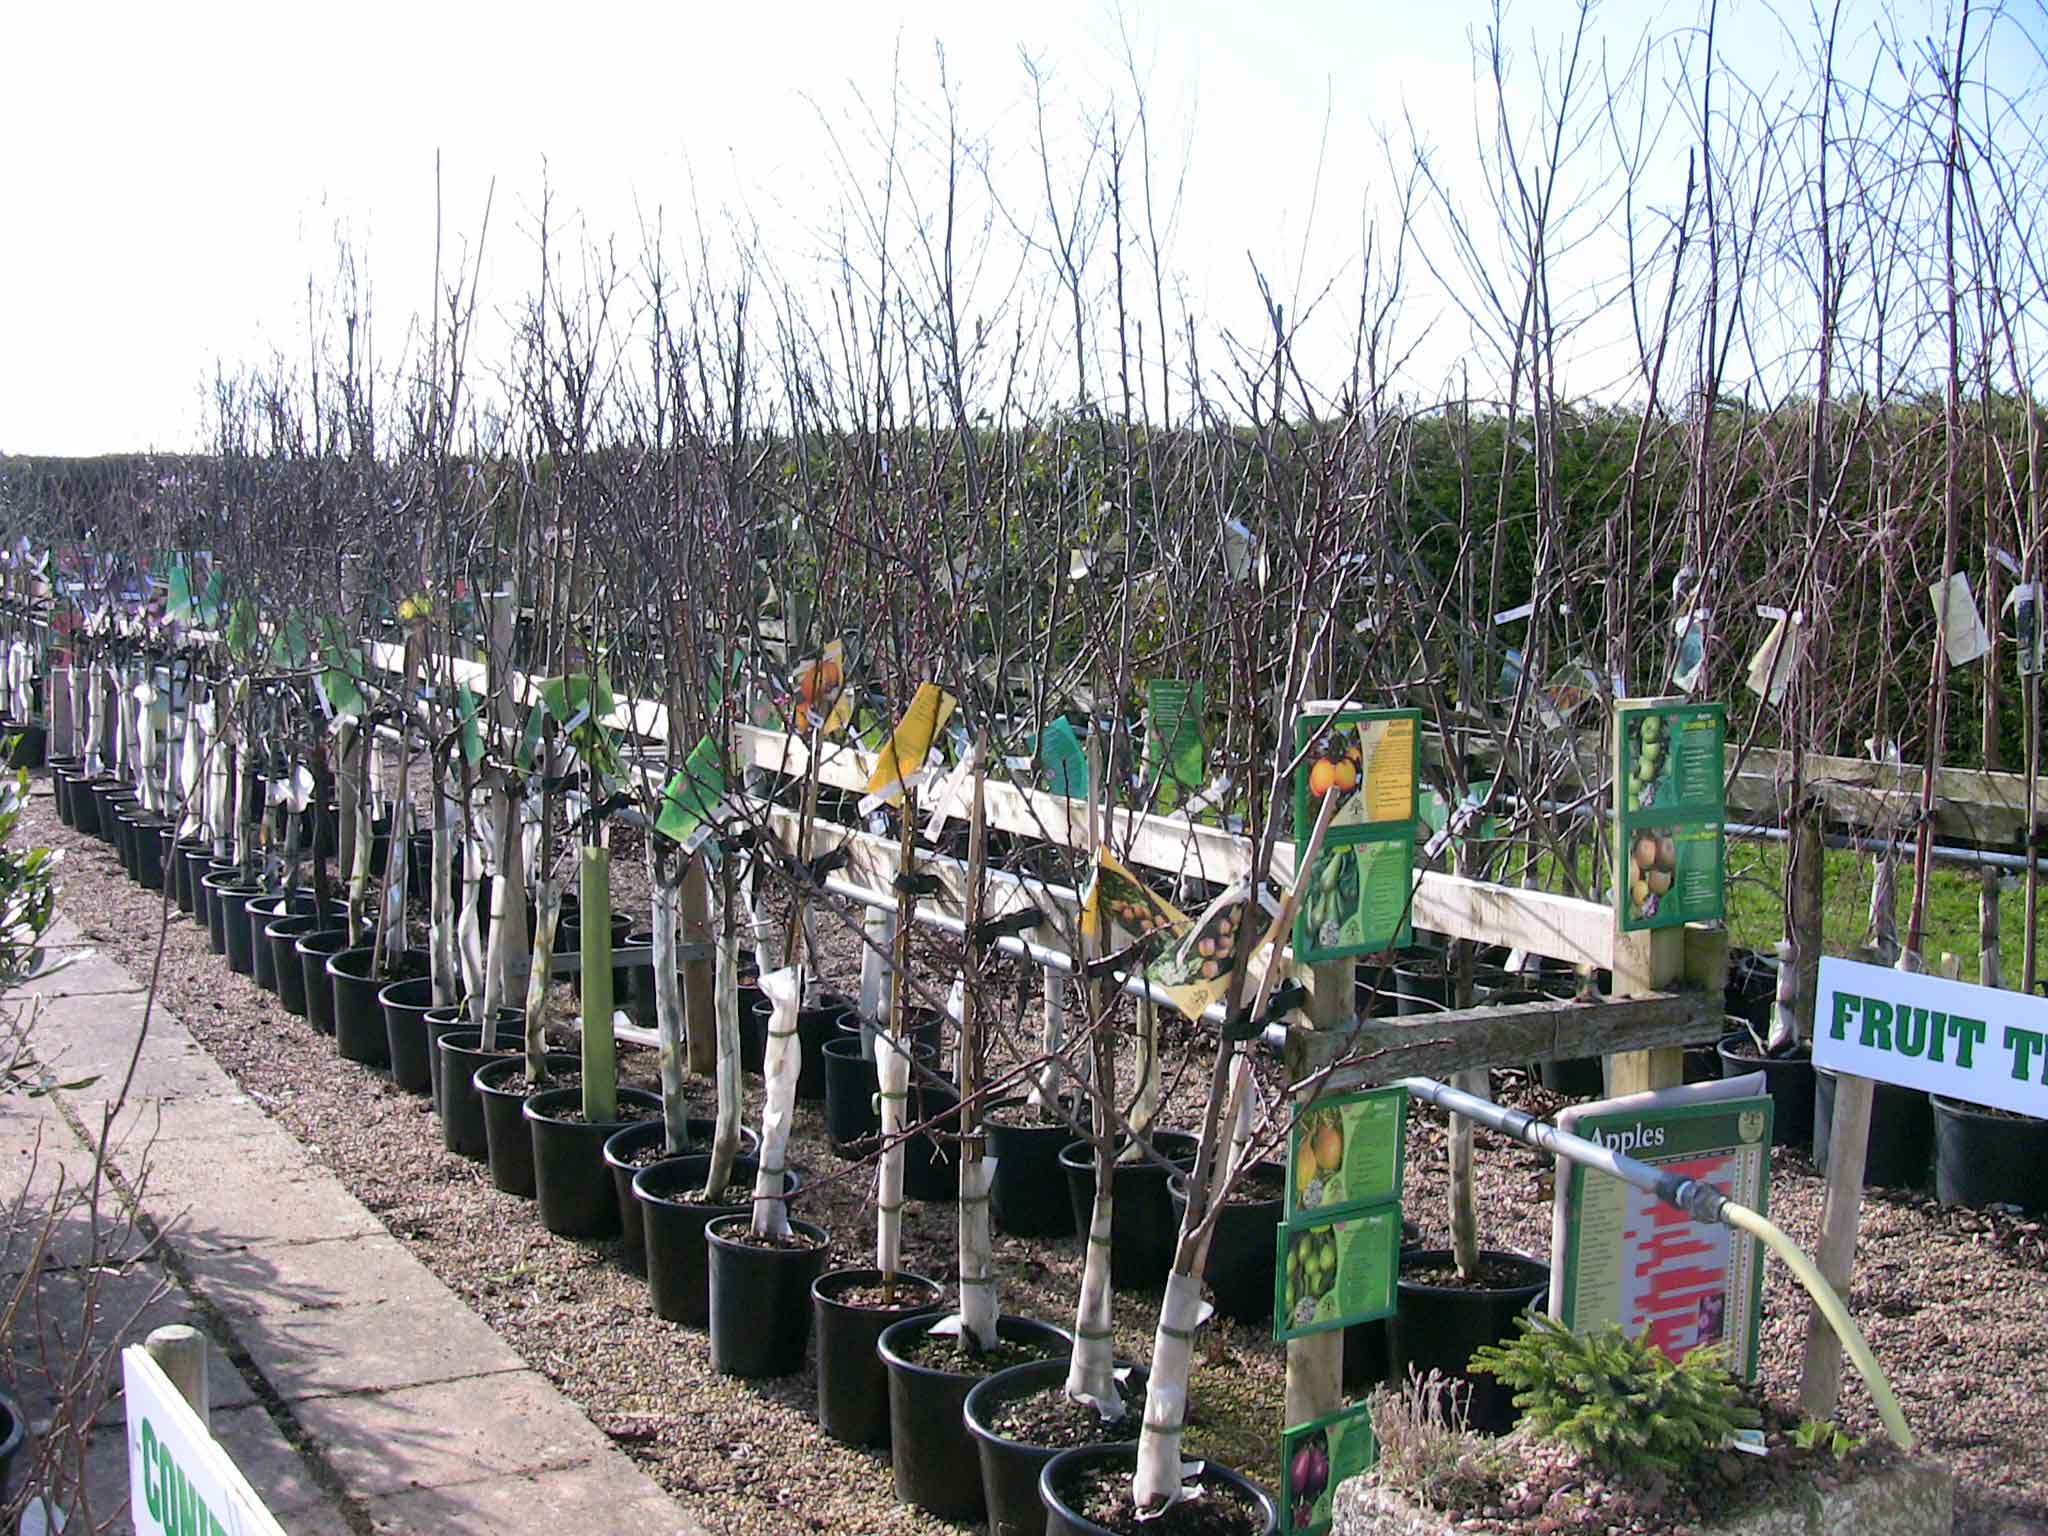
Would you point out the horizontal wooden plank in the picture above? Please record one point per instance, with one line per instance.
(1369, 1051)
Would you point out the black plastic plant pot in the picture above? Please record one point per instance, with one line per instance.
(358, 1019)
(1010, 1469)
(1239, 1272)
(923, 1026)
(1788, 1079)
(1058, 1482)
(219, 873)
(1436, 1327)
(678, 1277)
(501, 1087)
(754, 1011)
(277, 966)
(282, 935)
(196, 858)
(1365, 1344)
(1900, 1153)
(1143, 1230)
(462, 1111)
(1983, 1158)
(314, 949)
(13, 1430)
(761, 1296)
(63, 771)
(572, 1187)
(85, 805)
(815, 1027)
(931, 1158)
(109, 794)
(851, 1113)
(1422, 984)
(509, 1034)
(625, 1153)
(124, 836)
(929, 1448)
(569, 941)
(1029, 1196)
(149, 851)
(234, 902)
(853, 1387)
(405, 1005)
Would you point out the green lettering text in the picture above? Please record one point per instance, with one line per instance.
(1937, 1036)
(1969, 1034)
(1877, 1024)
(150, 1495)
(1912, 1024)
(1845, 1004)
(2025, 1045)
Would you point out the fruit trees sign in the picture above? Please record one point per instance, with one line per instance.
(180, 1482)
(1978, 1044)
(1668, 812)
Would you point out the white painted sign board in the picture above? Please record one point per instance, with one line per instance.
(180, 1482)
(1981, 1045)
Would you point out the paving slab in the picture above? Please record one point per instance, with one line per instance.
(353, 1388)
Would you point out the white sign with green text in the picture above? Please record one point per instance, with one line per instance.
(1978, 1044)
(180, 1482)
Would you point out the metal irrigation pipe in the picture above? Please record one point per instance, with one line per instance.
(1697, 1199)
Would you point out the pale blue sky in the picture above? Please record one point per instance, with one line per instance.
(176, 174)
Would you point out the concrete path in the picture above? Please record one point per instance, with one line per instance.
(354, 1390)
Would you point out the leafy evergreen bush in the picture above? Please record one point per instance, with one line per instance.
(1615, 1399)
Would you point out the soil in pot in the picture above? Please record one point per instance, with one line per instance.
(1441, 1318)
(1087, 1492)
(1029, 1196)
(761, 1295)
(678, 1276)
(462, 1111)
(1788, 1079)
(314, 949)
(1900, 1153)
(1239, 1273)
(1020, 1419)
(572, 1187)
(1989, 1157)
(1144, 1230)
(643, 1144)
(358, 1019)
(405, 1005)
(849, 1311)
(930, 1451)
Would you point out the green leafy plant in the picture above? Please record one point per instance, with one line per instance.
(28, 889)
(1824, 1435)
(1616, 1399)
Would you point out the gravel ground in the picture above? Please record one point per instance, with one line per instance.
(1952, 1300)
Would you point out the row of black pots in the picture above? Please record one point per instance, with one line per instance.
(758, 1301)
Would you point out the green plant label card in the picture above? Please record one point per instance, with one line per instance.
(1335, 1272)
(1355, 901)
(1173, 740)
(1317, 1456)
(1062, 759)
(1370, 760)
(1669, 814)
(693, 794)
(1346, 1152)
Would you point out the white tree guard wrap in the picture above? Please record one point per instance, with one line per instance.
(892, 1076)
(879, 932)
(1091, 1369)
(725, 1141)
(664, 882)
(1158, 1482)
(145, 743)
(784, 989)
(190, 779)
(980, 1302)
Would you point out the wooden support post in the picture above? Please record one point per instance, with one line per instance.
(180, 1352)
(1820, 1370)
(1647, 962)
(1315, 1365)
